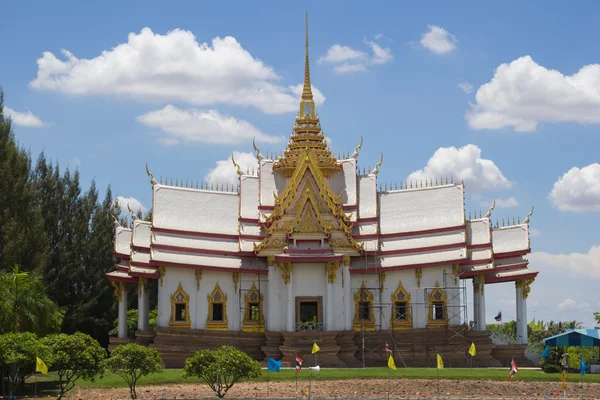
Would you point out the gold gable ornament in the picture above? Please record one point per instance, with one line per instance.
(216, 320)
(364, 318)
(180, 309)
(254, 318)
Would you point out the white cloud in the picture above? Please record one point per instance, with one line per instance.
(464, 164)
(207, 126)
(502, 203)
(523, 93)
(225, 172)
(351, 60)
(466, 87)
(338, 53)
(567, 304)
(580, 264)
(170, 68)
(578, 190)
(26, 118)
(133, 203)
(535, 233)
(438, 40)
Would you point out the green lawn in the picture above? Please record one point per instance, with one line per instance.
(173, 376)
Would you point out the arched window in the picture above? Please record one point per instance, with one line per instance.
(363, 310)
(401, 309)
(438, 310)
(180, 309)
(254, 318)
(216, 319)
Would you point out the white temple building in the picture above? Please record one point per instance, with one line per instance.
(308, 248)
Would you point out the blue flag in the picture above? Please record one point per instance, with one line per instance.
(546, 351)
(273, 365)
(581, 366)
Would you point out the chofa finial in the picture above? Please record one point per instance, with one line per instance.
(133, 216)
(239, 170)
(527, 218)
(115, 221)
(489, 211)
(355, 154)
(258, 155)
(376, 169)
(152, 180)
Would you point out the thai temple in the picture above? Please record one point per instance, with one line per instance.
(309, 248)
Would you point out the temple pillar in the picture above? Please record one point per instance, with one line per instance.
(329, 316)
(271, 298)
(522, 288)
(475, 304)
(122, 297)
(290, 303)
(347, 296)
(481, 312)
(143, 306)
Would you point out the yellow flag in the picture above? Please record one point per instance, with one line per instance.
(40, 366)
(440, 362)
(391, 363)
(472, 350)
(315, 348)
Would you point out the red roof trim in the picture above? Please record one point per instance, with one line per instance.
(377, 270)
(479, 246)
(367, 236)
(510, 254)
(251, 237)
(511, 267)
(223, 253)
(249, 220)
(210, 268)
(493, 279)
(477, 262)
(139, 264)
(308, 259)
(422, 249)
(121, 256)
(266, 208)
(350, 207)
(140, 248)
(122, 268)
(198, 234)
(470, 274)
(366, 220)
(422, 232)
(308, 251)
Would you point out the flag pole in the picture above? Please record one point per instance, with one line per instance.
(296, 383)
(438, 381)
(389, 376)
(268, 381)
(309, 383)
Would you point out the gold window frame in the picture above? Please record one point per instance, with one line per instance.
(366, 324)
(444, 298)
(250, 325)
(174, 301)
(402, 323)
(217, 325)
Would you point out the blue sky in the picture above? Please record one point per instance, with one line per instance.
(394, 77)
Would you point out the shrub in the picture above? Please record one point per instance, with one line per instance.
(132, 361)
(18, 352)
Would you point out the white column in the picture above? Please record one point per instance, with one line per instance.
(348, 301)
(143, 305)
(475, 304)
(329, 316)
(123, 311)
(521, 313)
(481, 314)
(270, 307)
(290, 305)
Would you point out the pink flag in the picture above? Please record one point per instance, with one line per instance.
(513, 369)
(387, 349)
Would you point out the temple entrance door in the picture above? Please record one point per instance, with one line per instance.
(309, 313)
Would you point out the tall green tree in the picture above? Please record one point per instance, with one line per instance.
(22, 238)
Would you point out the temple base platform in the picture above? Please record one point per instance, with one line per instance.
(341, 349)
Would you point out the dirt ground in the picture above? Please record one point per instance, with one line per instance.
(360, 388)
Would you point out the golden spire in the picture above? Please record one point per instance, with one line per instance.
(306, 91)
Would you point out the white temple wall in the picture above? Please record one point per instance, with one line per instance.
(309, 279)
(432, 239)
(167, 256)
(250, 229)
(367, 196)
(338, 315)
(478, 231)
(194, 242)
(122, 240)
(249, 196)
(425, 257)
(277, 301)
(508, 261)
(510, 238)
(367, 228)
(171, 280)
(248, 244)
(344, 182)
(141, 233)
(140, 256)
(207, 285)
(480, 254)
(420, 209)
(195, 210)
(267, 183)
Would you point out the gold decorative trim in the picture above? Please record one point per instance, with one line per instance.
(217, 297)
(161, 272)
(363, 295)
(180, 297)
(331, 269)
(381, 280)
(198, 274)
(481, 279)
(270, 261)
(526, 284)
(418, 275)
(142, 286)
(432, 323)
(253, 296)
(286, 270)
(119, 286)
(401, 296)
(235, 277)
(455, 270)
(347, 260)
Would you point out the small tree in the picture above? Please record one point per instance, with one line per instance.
(132, 361)
(221, 368)
(18, 352)
(73, 357)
